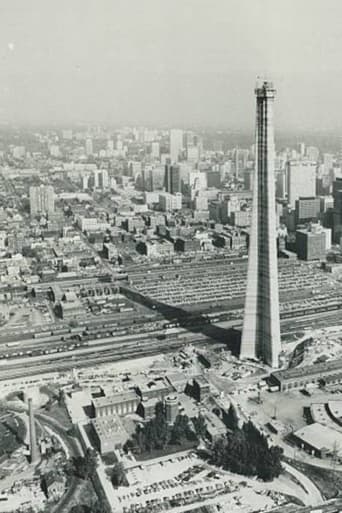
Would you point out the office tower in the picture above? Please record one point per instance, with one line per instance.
(281, 184)
(311, 242)
(213, 179)
(337, 210)
(236, 163)
(301, 147)
(193, 154)
(169, 202)
(176, 143)
(261, 326)
(197, 180)
(307, 209)
(301, 180)
(89, 146)
(172, 178)
(312, 153)
(328, 162)
(34, 452)
(155, 150)
(85, 182)
(201, 200)
(42, 200)
(248, 176)
(67, 134)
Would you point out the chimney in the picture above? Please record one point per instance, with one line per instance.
(34, 452)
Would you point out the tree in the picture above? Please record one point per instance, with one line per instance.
(246, 451)
(232, 418)
(118, 475)
(83, 466)
(200, 426)
(80, 508)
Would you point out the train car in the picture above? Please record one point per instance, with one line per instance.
(12, 344)
(76, 329)
(42, 334)
(60, 331)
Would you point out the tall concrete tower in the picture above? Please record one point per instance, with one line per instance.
(34, 451)
(261, 326)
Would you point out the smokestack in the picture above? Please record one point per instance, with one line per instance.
(34, 452)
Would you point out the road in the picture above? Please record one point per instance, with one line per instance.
(73, 449)
(313, 494)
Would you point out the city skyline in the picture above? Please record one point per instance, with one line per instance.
(146, 64)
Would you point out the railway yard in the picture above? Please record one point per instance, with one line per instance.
(157, 309)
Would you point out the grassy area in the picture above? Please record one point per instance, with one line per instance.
(329, 482)
(59, 412)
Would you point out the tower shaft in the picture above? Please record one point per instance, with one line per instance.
(261, 327)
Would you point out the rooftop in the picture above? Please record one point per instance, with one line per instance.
(320, 437)
(318, 368)
(106, 427)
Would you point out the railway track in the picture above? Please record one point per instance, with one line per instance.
(66, 363)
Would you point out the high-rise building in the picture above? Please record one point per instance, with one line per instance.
(301, 180)
(312, 153)
(214, 179)
(328, 162)
(337, 210)
(261, 326)
(155, 150)
(172, 178)
(307, 209)
(169, 202)
(301, 147)
(176, 143)
(42, 200)
(311, 242)
(89, 146)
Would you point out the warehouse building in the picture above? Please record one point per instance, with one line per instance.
(320, 441)
(109, 433)
(291, 379)
(121, 403)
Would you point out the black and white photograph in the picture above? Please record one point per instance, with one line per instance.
(171, 256)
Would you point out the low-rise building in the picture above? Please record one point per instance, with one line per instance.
(320, 441)
(214, 425)
(299, 377)
(121, 403)
(109, 433)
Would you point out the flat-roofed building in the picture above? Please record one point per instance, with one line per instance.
(311, 243)
(299, 377)
(157, 389)
(201, 388)
(121, 403)
(147, 408)
(319, 440)
(109, 433)
(214, 425)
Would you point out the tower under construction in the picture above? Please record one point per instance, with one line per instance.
(261, 326)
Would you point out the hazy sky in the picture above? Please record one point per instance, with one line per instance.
(171, 62)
